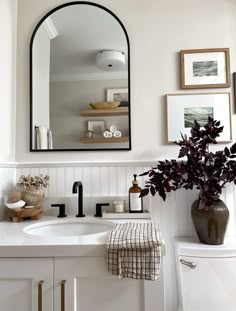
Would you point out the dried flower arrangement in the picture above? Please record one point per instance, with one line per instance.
(33, 182)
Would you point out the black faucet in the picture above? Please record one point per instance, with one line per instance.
(78, 188)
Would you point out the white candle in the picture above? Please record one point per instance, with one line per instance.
(118, 206)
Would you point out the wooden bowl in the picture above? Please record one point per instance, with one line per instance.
(105, 105)
(20, 214)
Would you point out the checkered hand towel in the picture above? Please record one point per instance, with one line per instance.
(134, 251)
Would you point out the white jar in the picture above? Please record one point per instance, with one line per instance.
(118, 206)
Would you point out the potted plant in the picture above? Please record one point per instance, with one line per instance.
(32, 188)
(208, 171)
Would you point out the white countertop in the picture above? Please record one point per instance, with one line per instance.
(14, 242)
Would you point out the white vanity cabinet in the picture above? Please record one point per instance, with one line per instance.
(88, 286)
(72, 284)
(26, 284)
(84, 284)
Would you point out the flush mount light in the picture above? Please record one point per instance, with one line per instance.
(110, 60)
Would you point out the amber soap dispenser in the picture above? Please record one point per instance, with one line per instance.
(135, 202)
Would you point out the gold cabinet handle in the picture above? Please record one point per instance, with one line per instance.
(63, 282)
(40, 295)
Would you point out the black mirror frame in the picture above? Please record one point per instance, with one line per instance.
(31, 78)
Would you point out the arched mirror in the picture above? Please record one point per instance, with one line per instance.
(79, 80)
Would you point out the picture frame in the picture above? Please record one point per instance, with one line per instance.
(119, 94)
(97, 127)
(183, 109)
(205, 68)
(234, 89)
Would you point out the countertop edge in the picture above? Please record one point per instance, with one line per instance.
(16, 243)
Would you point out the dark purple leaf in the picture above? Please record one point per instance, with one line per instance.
(227, 152)
(183, 152)
(152, 190)
(144, 192)
(144, 174)
(233, 148)
(162, 194)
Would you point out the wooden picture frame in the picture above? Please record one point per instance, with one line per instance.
(234, 89)
(205, 68)
(183, 109)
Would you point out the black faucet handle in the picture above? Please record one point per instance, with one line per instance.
(99, 209)
(61, 210)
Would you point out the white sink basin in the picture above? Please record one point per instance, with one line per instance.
(69, 227)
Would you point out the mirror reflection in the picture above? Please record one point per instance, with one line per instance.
(80, 93)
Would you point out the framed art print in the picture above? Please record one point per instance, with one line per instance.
(120, 94)
(234, 88)
(183, 109)
(205, 68)
(96, 127)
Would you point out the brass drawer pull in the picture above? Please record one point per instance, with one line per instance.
(40, 295)
(63, 282)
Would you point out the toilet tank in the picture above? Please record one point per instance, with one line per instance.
(206, 276)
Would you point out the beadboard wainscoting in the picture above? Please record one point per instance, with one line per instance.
(109, 179)
(98, 180)
(7, 182)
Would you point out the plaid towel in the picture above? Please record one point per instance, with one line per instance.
(134, 251)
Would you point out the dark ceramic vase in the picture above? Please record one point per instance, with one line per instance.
(210, 225)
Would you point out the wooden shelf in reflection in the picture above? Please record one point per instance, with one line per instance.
(101, 140)
(104, 112)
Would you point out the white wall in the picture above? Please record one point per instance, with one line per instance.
(8, 26)
(157, 30)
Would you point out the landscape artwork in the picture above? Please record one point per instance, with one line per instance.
(121, 97)
(199, 114)
(205, 68)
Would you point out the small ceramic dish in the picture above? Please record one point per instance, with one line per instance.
(18, 204)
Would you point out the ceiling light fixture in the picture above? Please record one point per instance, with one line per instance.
(110, 60)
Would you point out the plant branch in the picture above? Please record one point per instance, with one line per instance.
(208, 171)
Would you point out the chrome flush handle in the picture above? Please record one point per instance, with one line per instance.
(191, 265)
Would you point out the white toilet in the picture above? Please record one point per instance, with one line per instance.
(206, 276)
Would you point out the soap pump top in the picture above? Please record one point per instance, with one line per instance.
(135, 182)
